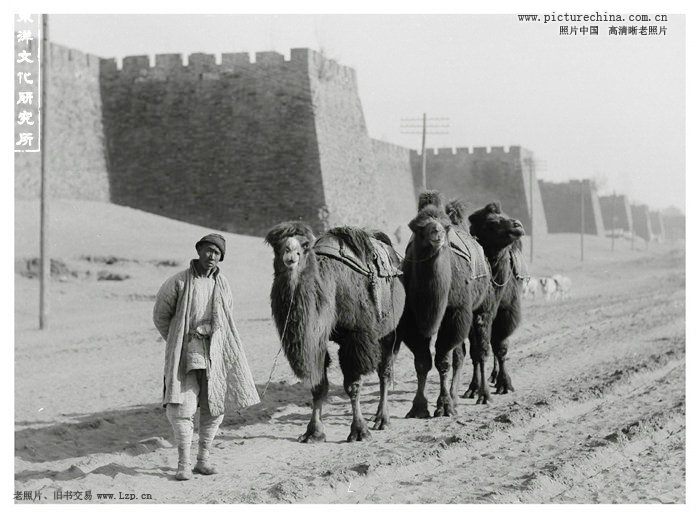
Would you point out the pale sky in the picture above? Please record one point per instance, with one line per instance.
(607, 107)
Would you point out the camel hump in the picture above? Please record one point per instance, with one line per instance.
(466, 246)
(370, 256)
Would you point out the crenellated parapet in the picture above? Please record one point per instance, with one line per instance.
(213, 66)
(511, 152)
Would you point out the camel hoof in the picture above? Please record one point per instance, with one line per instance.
(494, 377)
(503, 390)
(445, 411)
(381, 423)
(503, 387)
(315, 437)
(359, 435)
(469, 394)
(483, 399)
(421, 412)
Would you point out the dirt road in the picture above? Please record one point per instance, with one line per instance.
(598, 414)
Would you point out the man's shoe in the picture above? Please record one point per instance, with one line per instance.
(184, 472)
(203, 467)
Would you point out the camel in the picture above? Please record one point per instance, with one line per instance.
(499, 235)
(343, 287)
(446, 299)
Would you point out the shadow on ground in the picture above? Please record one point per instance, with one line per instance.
(139, 429)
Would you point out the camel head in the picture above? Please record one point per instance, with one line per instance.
(291, 242)
(494, 229)
(430, 228)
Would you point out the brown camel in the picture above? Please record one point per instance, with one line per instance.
(343, 287)
(446, 297)
(499, 235)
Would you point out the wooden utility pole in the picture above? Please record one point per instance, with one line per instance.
(528, 162)
(422, 152)
(614, 220)
(427, 127)
(583, 218)
(44, 234)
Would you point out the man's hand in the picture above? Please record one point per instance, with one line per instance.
(203, 331)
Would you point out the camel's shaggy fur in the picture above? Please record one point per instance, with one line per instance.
(442, 300)
(500, 236)
(315, 299)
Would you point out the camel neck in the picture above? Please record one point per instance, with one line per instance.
(428, 290)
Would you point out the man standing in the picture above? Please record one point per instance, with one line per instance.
(205, 364)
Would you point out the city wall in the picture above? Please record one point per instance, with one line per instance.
(562, 207)
(76, 164)
(393, 164)
(641, 222)
(231, 145)
(657, 225)
(616, 212)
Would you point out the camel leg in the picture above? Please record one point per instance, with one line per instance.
(473, 388)
(358, 429)
(381, 419)
(457, 362)
(494, 373)
(481, 330)
(315, 429)
(420, 348)
(421, 362)
(503, 326)
(503, 383)
(444, 349)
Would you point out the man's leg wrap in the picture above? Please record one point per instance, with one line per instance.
(208, 427)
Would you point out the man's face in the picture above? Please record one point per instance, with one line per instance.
(209, 256)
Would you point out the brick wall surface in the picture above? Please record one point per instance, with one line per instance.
(230, 146)
(562, 206)
(74, 144)
(641, 222)
(616, 213)
(657, 226)
(393, 164)
(351, 185)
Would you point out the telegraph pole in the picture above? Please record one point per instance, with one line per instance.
(614, 219)
(409, 126)
(583, 219)
(528, 162)
(422, 152)
(44, 234)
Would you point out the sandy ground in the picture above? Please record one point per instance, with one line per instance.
(598, 415)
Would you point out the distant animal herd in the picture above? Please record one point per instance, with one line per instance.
(456, 290)
(555, 287)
